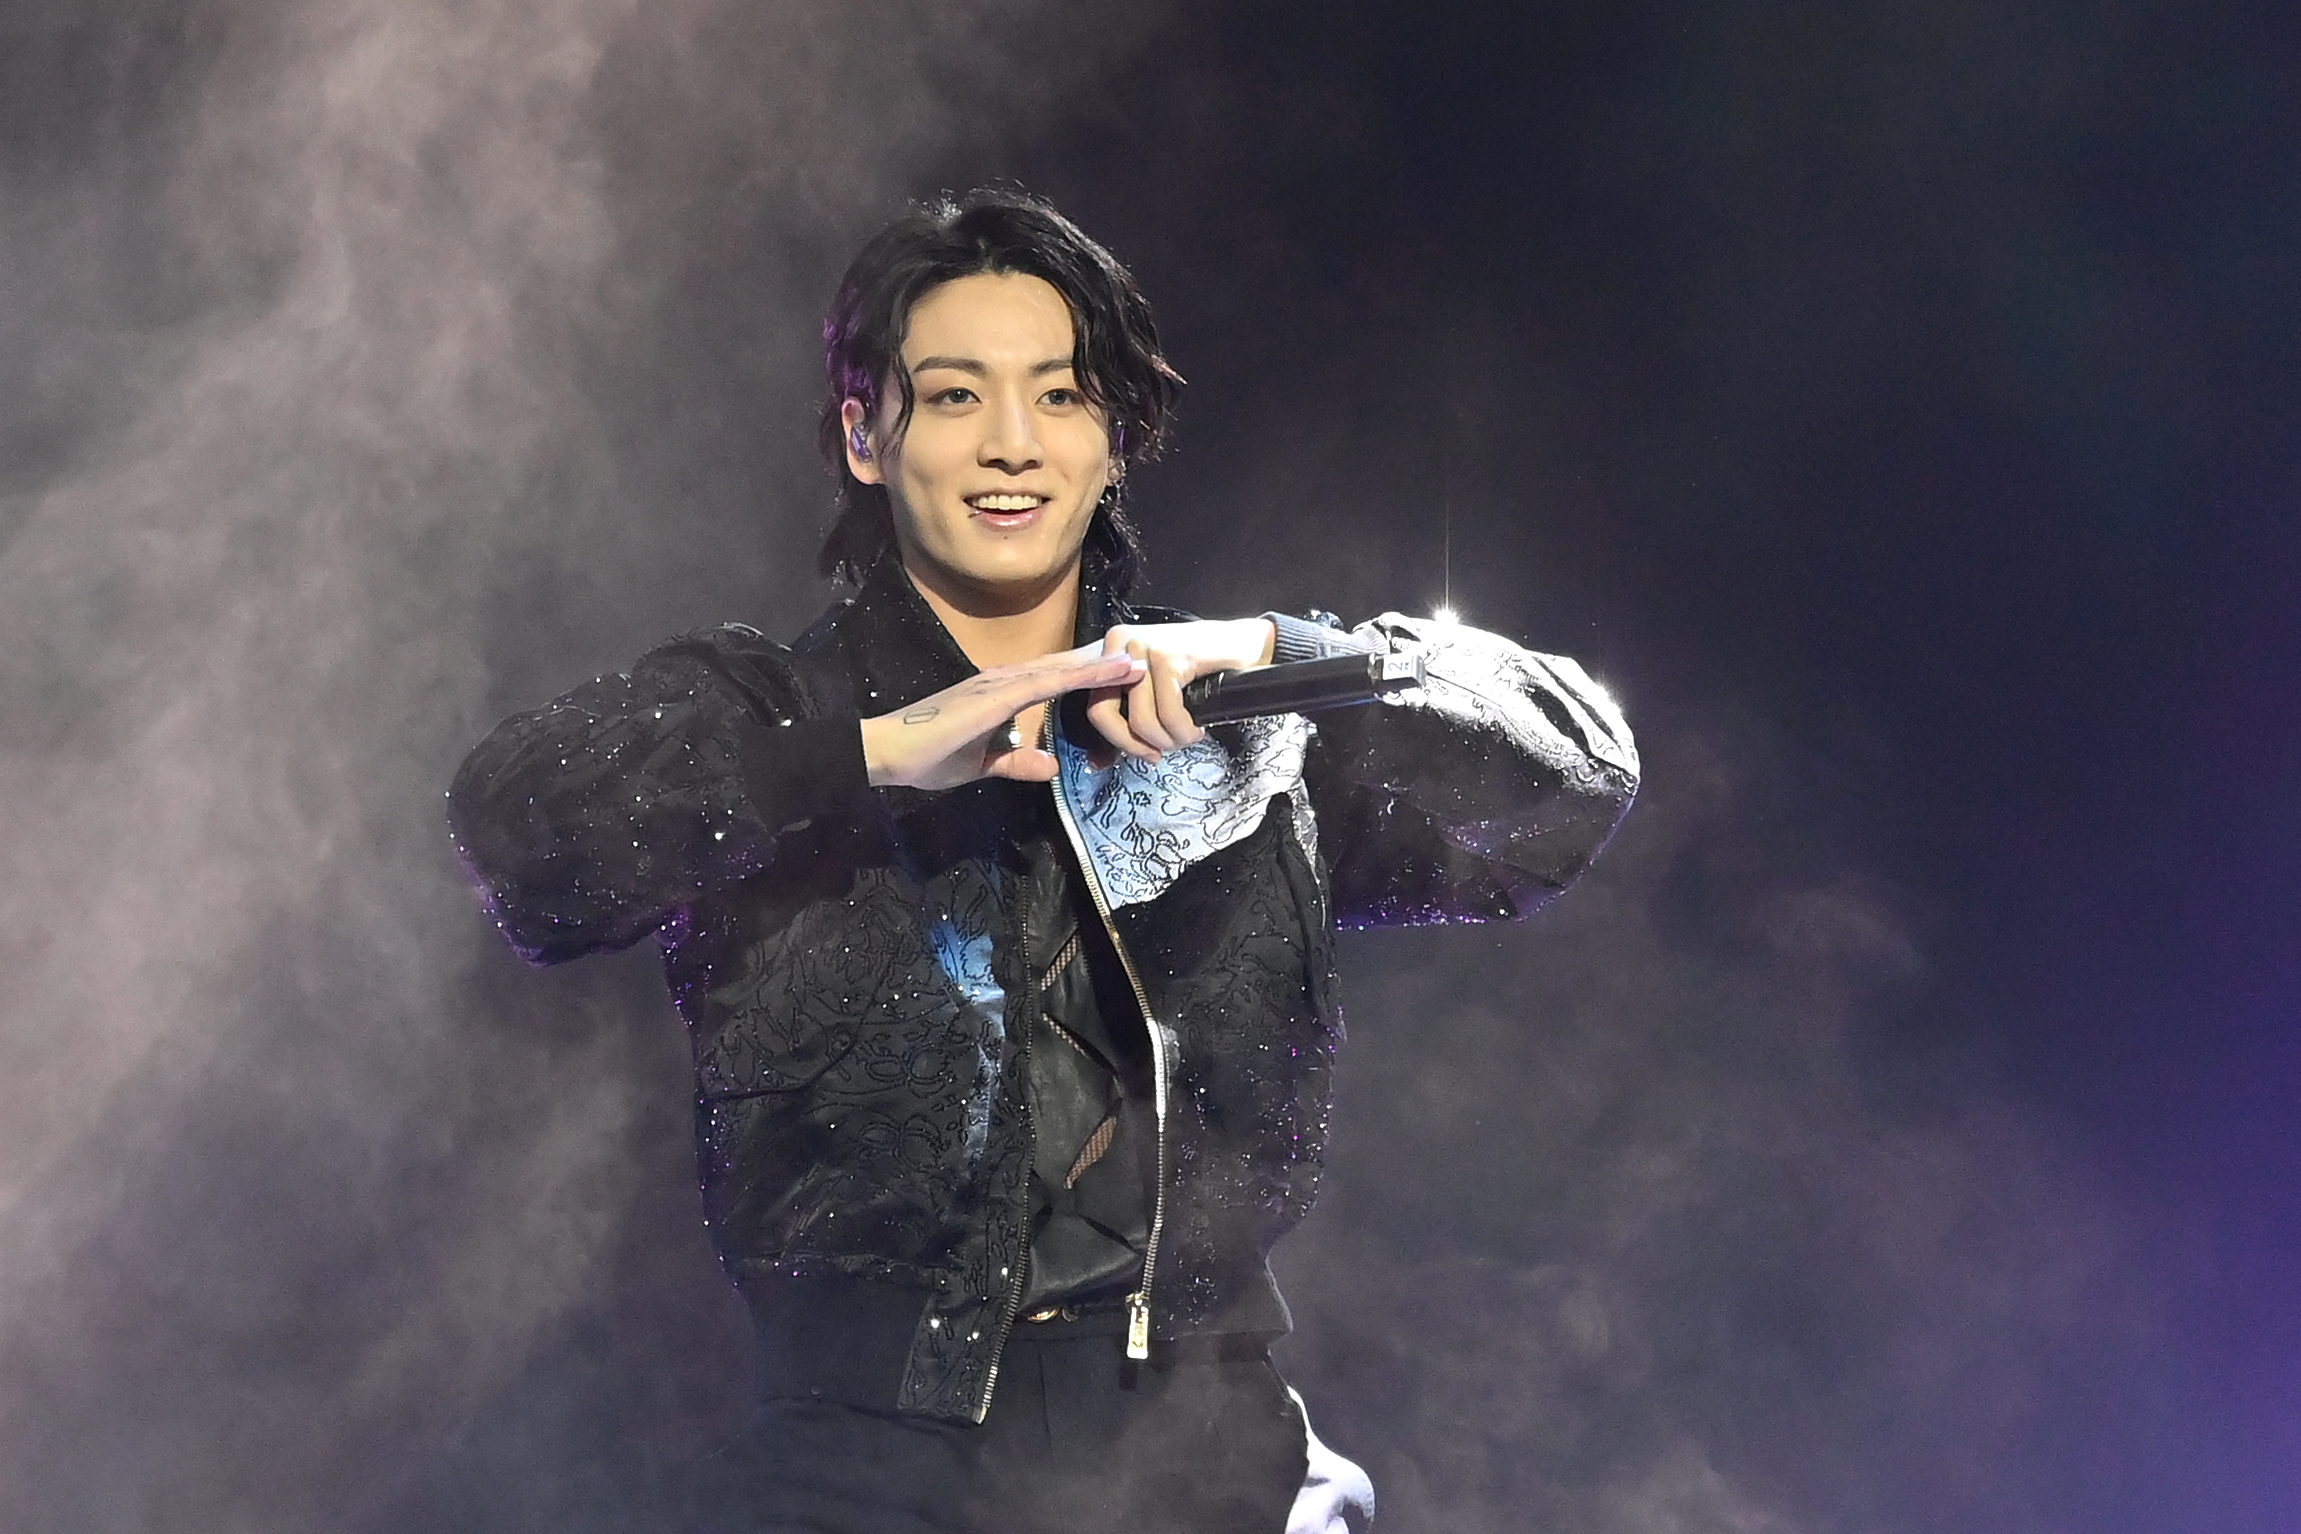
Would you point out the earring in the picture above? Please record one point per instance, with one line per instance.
(861, 445)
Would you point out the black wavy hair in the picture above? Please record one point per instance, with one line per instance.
(1115, 353)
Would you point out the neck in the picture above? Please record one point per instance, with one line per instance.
(1005, 628)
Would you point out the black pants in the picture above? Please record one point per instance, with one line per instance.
(1078, 1441)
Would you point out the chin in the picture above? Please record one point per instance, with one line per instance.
(1018, 584)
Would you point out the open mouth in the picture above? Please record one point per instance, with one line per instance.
(1006, 503)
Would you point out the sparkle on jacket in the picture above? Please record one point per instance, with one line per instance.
(853, 976)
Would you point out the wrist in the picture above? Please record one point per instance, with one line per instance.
(878, 759)
(1311, 638)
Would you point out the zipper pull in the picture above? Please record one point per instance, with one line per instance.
(1138, 1325)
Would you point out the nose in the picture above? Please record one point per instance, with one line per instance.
(1010, 437)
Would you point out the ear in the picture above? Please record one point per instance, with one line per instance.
(862, 451)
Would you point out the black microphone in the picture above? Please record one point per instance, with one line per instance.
(1290, 687)
(1300, 686)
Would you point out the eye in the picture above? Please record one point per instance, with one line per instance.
(957, 394)
(1061, 399)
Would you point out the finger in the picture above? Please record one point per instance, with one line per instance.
(1027, 765)
(1108, 716)
(1041, 681)
(1143, 707)
(1101, 752)
(1107, 713)
(1165, 686)
(1142, 702)
(1100, 670)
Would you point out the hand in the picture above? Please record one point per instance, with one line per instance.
(1147, 718)
(957, 735)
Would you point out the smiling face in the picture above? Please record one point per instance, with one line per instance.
(995, 479)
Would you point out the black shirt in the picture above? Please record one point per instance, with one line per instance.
(1094, 1132)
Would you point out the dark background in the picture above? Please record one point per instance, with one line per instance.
(1894, 404)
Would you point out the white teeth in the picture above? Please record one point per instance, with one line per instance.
(1004, 502)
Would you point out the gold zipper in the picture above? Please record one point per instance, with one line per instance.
(1138, 1303)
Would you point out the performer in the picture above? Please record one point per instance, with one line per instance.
(1012, 1028)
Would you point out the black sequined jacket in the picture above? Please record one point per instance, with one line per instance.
(852, 972)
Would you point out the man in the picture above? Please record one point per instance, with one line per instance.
(1012, 1034)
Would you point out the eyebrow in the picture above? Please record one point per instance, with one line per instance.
(970, 366)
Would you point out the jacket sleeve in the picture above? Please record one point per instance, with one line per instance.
(1475, 797)
(588, 822)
